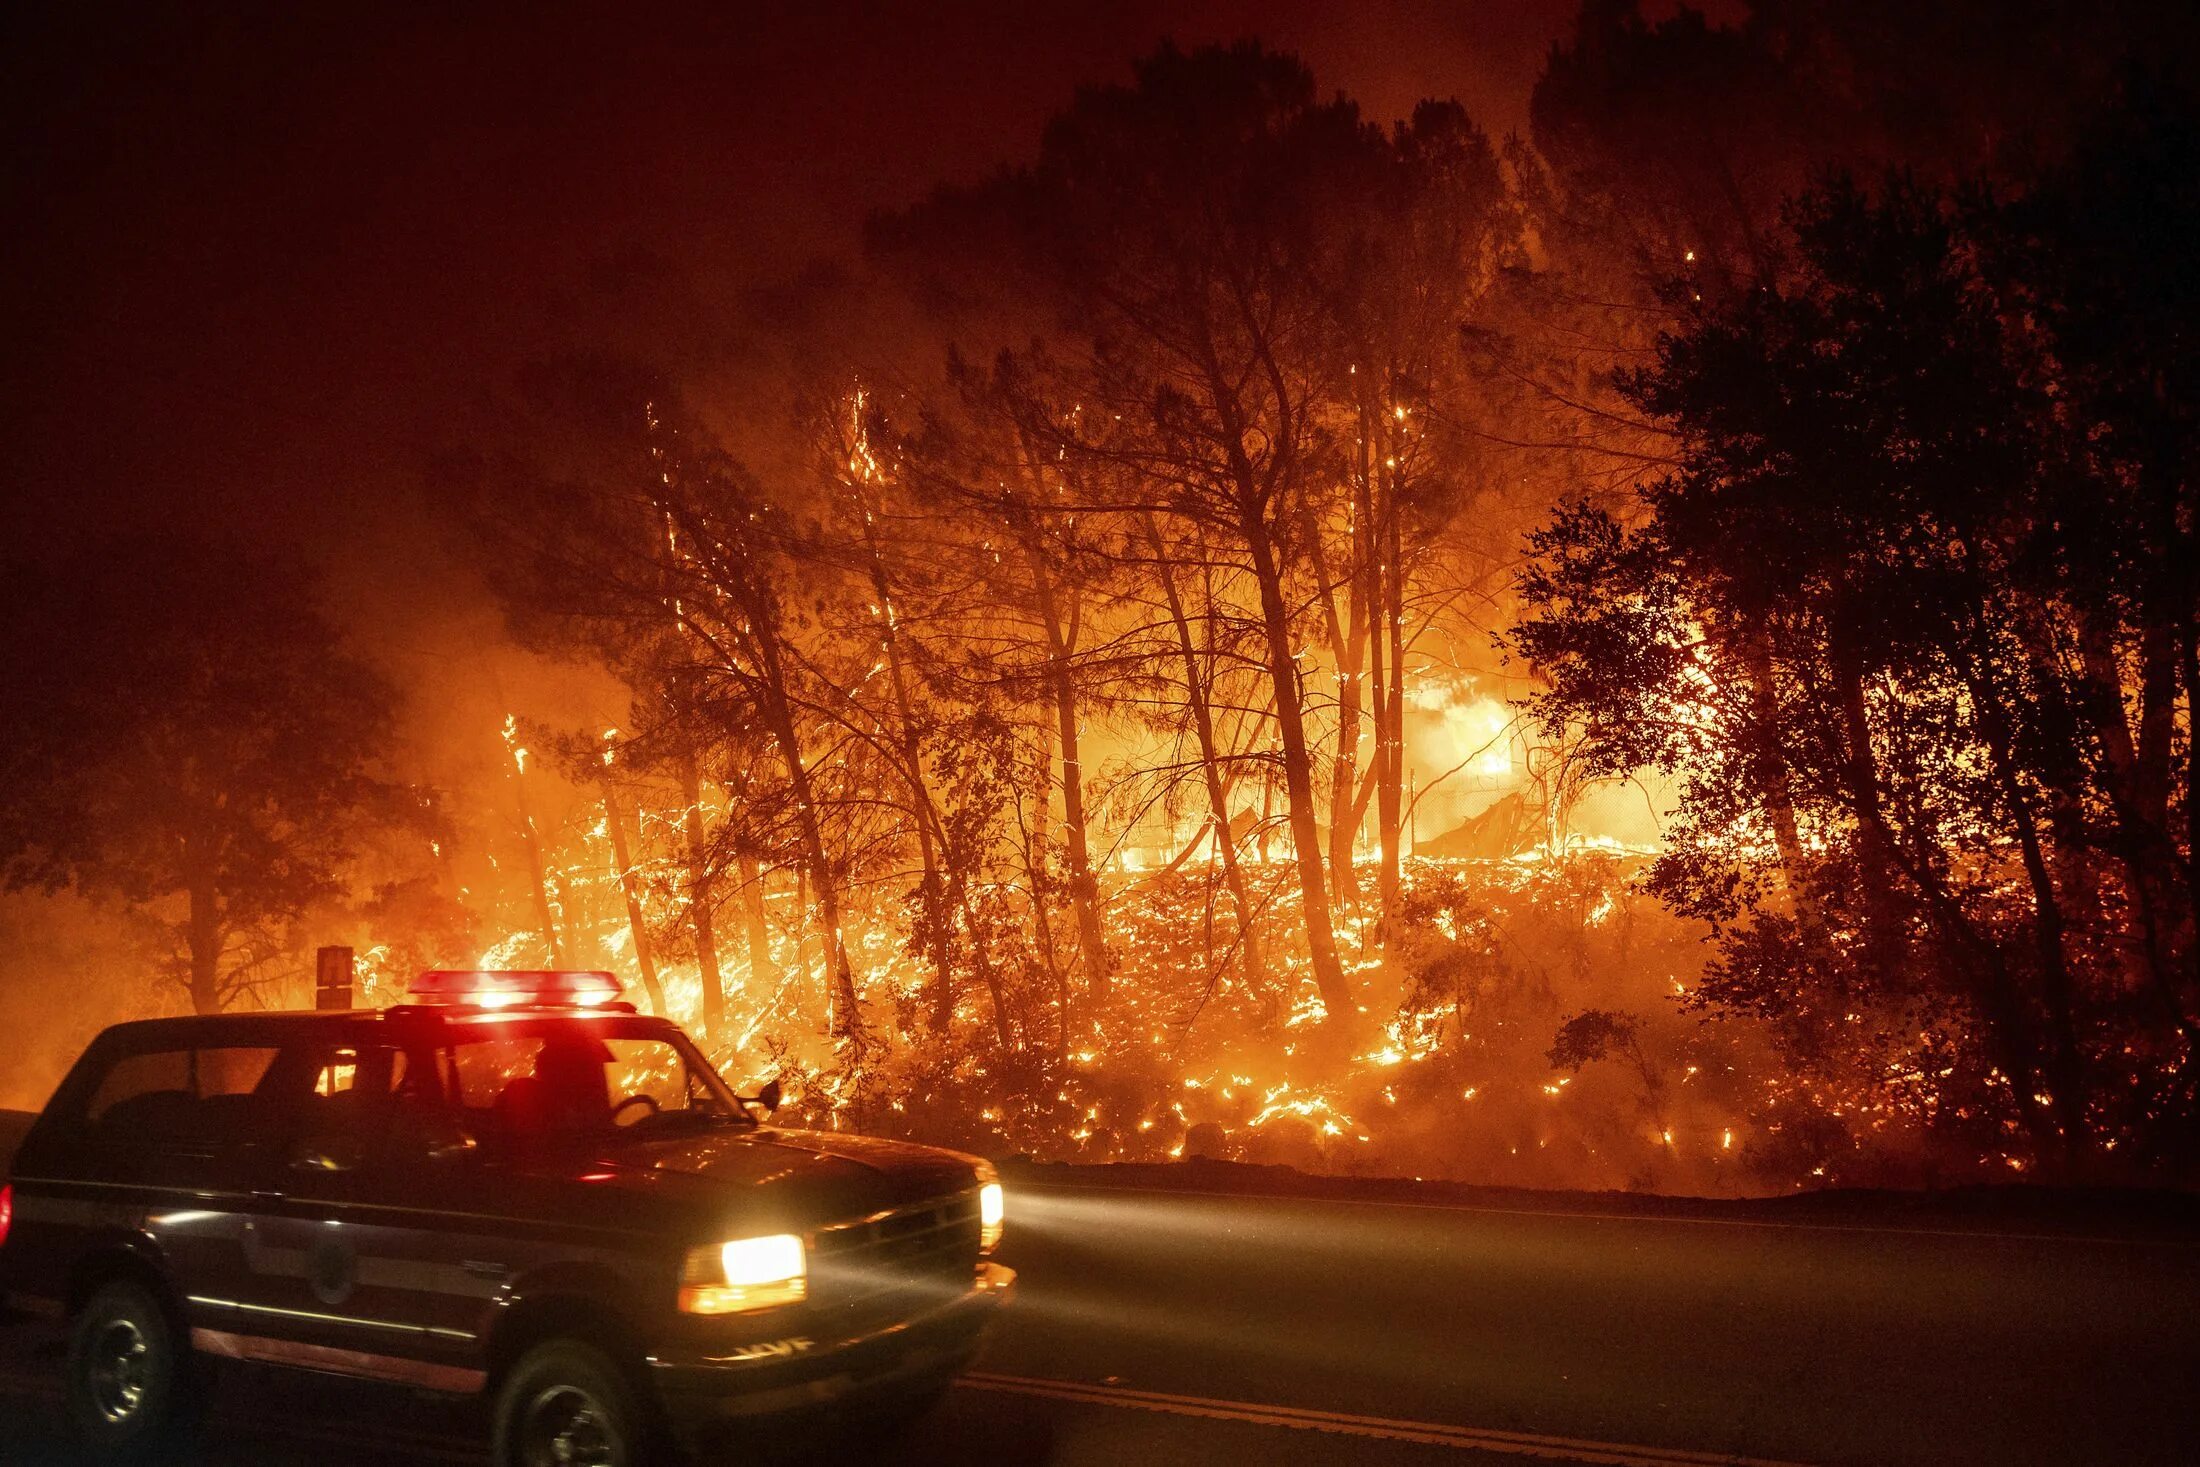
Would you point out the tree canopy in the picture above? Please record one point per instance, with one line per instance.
(189, 735)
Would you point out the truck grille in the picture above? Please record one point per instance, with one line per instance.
(893, 1266)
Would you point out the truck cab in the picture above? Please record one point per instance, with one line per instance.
(515, 1186)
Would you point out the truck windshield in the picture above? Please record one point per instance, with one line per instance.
(593, 1077)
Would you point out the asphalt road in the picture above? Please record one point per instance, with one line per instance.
(1167, 1327)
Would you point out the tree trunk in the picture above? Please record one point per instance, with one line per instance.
(847, 1021)
(931, 836)
(1875, 856)
(2009, 1030)
(1391, 728)
(699, 897)
(1344, 816)
(1035, 871)
(204, 937)
(825, 891)
(2188, 658)
(2008, 1033)
(1084, 887)
(2065, 1062)
(1218, 800)
(1344, 651)
(982, 961)
(1298, 772)
(537, 869)
(2137, 787)
(1382, 774)
(1778, 793)
(622, 860)
(802, 930)
(761, 965)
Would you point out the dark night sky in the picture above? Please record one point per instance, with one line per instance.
(259, 266)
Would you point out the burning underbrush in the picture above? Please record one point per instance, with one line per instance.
(1531, 1027)
(1534, 1024)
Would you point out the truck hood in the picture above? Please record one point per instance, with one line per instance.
(796, 1180)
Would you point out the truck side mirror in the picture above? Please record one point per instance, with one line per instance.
(770, 1096)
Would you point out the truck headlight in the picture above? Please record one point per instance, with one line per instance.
(992, 1207)
(744, 1275)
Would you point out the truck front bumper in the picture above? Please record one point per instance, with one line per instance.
(787, 1376)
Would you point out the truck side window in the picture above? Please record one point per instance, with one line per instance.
(350, 1093)
(363, 1104)
(308, 1094)
(142, 1085)
(227, 1080)
(170, 1095)
(339, 1074)
(232, 1069)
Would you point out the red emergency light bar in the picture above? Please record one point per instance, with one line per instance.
(513, 988)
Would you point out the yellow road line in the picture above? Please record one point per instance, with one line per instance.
(1423, 1433)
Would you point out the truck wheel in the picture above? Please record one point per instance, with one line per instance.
(566, 1404)
(129, 1387)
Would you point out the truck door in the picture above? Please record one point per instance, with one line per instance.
(164, 1150)
(347, 1270)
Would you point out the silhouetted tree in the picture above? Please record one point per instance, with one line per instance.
(1848, 623)
(189, 735)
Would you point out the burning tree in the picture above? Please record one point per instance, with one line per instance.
(1249, 302)
(1044, 684)
(1867, 622)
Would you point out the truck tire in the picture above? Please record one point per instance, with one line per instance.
(131, 1386)
(567, 1404)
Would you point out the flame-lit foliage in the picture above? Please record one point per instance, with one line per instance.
(1924, 712)
(1456, 1074)
(907, 694)
(1037, 690)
